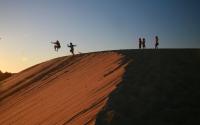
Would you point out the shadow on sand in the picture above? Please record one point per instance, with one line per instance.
(159, 87)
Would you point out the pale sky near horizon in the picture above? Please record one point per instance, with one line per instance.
(28, 26)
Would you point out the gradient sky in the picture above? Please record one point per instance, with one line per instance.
(27, 27)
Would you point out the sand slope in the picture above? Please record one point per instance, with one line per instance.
(66, 90)
(135, 87)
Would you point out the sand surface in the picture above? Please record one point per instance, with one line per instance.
(66, 90)
(126, 87)
(159, 87)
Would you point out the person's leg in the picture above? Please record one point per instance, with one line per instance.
(71, 51)
(57, 48)
(156, 45)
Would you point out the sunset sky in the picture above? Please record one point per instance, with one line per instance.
(28, 26)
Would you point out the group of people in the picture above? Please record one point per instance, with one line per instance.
(58, 46)
(142, 42)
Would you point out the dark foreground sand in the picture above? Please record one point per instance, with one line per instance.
(159, 87)
(135, 87)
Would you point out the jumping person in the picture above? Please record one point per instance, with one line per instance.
(71, 46)
(143, 43)
(156, 42)
(140, 43)
(56, 45)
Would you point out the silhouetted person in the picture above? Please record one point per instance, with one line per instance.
(156, 42)
(56, 45)
(140, 43)
(143, 43)
(71, 46)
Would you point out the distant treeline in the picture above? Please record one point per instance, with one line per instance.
(4, 75)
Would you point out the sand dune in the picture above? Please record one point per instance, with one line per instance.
(66, 90)
(126, 87)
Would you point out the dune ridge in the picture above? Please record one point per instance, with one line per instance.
(119, 87)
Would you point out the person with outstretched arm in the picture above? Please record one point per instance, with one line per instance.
(71, 46)
(56, 45)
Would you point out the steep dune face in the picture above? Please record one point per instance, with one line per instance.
(66, 90)
(159, 87)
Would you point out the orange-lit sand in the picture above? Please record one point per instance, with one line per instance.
(66, 90)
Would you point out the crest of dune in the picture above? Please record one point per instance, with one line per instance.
(122, 87)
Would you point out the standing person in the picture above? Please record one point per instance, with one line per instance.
(71, 46)
(156, 42)
(140, 43)
(144, 43)
(56, 45)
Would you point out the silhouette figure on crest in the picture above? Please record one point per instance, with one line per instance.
(56, 45)
(156, 42)
(71, 46)
(140, 43)
(143, 43)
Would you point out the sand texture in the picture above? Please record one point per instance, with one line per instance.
(67, 90)
(124, 87)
